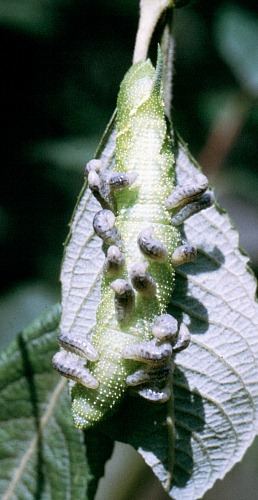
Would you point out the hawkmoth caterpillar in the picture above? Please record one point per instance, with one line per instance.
(133, 342)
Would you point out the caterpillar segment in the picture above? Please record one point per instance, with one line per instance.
(148, 375)
(185, 193)
(153, 380)
(120, 180)
(183, 254)
(148, 351)
(78, 345)
(134, 339)
(114, 261)
(124, 300)
(143, 281)
(152, 247)
(155, 394)
(206, 200)
(97, 183)
(104, 184)
(104, 227)
(183, 339)
(72, 366)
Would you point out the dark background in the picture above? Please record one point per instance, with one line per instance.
(61, 65)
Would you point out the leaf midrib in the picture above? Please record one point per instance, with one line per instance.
(32, 446)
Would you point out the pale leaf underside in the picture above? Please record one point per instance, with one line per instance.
(215, 382)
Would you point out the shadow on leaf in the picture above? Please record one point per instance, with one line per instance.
(189, 418)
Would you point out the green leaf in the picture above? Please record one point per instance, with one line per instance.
(215, 382)
(41, 454)
(236, 33)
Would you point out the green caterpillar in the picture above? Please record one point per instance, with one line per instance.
(134, 340)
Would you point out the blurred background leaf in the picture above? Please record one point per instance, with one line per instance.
(34, 17)
(236, 32)
(61, 65)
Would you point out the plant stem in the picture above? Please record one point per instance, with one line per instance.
(150, 13)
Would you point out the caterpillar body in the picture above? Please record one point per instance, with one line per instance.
(133, 342)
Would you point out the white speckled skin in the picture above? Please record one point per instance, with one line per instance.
(143, 146)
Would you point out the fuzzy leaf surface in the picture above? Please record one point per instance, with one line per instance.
(215, 381)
